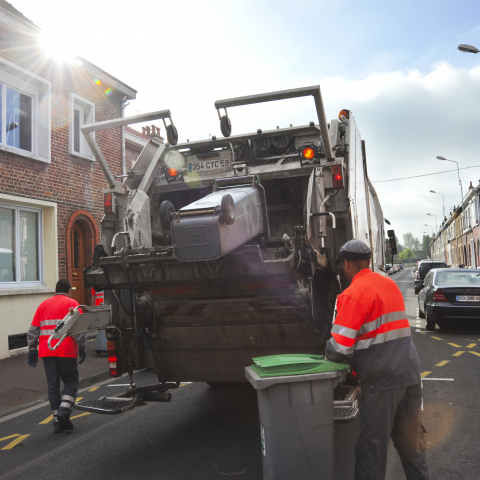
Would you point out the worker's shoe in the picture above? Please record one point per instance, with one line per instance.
(57, 426)
(65, 422)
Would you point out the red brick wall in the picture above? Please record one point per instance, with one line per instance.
(73, 183)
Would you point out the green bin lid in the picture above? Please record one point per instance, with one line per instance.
(294, 364)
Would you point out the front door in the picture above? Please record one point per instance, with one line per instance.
(78, 264)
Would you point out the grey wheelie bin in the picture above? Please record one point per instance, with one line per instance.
(296, 409)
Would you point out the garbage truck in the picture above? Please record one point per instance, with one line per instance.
(219, 250)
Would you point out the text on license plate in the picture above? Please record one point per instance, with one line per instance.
(468, 298)
(208, 165)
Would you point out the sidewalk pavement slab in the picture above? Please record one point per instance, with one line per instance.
(22, 386)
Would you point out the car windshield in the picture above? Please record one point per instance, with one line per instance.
(458, 278)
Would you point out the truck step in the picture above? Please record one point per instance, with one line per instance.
(345, 413)
(108, 405)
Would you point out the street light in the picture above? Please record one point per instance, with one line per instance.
(436, 223)
(433, 191)
(431, 228)
(468, 48)
(458, 172)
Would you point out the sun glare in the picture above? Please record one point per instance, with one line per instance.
(58, 48)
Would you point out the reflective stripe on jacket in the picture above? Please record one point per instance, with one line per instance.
(372, 329)
(46, 318)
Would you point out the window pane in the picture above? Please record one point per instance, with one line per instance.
(76, 130)
(7, 245)
(19, 120)
(28, 247)
(76, 249)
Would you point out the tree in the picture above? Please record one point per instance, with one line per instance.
(406, 255)
(411, 242)
(426, 246)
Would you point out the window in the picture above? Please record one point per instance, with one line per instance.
(24, 112)
(82, 112)
(20, 246)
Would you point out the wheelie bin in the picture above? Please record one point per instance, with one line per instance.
(296, 410)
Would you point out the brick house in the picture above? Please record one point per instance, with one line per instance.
(458, 240)
(51, 189)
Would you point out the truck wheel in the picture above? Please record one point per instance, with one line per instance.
(225, 126)
(172, 134)
(228, 209)
(167, 212)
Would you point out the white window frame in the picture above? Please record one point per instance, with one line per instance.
(39, 89)
(82, 105)
(18, 283)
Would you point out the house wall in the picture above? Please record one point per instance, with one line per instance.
(63, 184)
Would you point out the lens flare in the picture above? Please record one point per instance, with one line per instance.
(108, 91)
(97, 82)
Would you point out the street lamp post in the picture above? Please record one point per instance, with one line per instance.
(443, 198)
(458, 172)
(431, 228)
(468, 48)
(436, 223)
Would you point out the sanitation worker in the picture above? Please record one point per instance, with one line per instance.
(62, 362)
(371, 333)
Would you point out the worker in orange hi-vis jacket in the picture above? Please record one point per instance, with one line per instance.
(371, 333)
(62, 362)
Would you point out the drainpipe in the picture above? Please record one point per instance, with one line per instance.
(124, 158)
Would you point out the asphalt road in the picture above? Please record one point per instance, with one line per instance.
(204, 430)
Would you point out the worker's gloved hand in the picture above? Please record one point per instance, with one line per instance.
(82, 353)
(32, 358)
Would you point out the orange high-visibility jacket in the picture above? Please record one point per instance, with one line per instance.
(372, 329)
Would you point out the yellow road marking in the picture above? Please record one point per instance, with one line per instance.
(424, 374)
(475, 353)
(471, 345)
(457, 354)
(455, 345)
(78, 399)
(10, 436)
(15, 442)
(442, 363)
(436, 338)
(93, 389)
(81, 415)
(47, 420)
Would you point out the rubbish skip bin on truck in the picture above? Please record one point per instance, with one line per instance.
(296, 410)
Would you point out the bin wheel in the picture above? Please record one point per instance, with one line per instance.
(172, 134)
(225, 126)
(228, 209)
(167, 212)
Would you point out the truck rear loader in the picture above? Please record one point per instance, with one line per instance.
(216, 251)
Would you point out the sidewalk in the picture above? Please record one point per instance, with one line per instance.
(22, 386)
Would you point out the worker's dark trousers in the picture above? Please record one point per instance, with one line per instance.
(395, 414)
(66, 369)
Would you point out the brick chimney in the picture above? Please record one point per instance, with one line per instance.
(153, 132)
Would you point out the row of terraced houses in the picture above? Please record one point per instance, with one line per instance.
(51, 188)
(458, 240)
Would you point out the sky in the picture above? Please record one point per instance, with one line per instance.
(394, 65)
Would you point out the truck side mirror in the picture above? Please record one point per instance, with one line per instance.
(393, 245)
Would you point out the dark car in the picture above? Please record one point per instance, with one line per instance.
(450, 295)
(423, 268)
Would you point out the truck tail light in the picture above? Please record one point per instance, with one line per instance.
(337, 176)
(109, 203)
(438, 296)
(113, 364)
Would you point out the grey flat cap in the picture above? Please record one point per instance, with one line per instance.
(354, 250)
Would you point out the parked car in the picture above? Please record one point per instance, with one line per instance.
(388, 267)
(401, 266)
(449, 295)
(423, 268)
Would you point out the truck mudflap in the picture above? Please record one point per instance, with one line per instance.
(134, 397)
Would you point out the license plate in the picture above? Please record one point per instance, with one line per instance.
(205, 166)
(468, 298)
